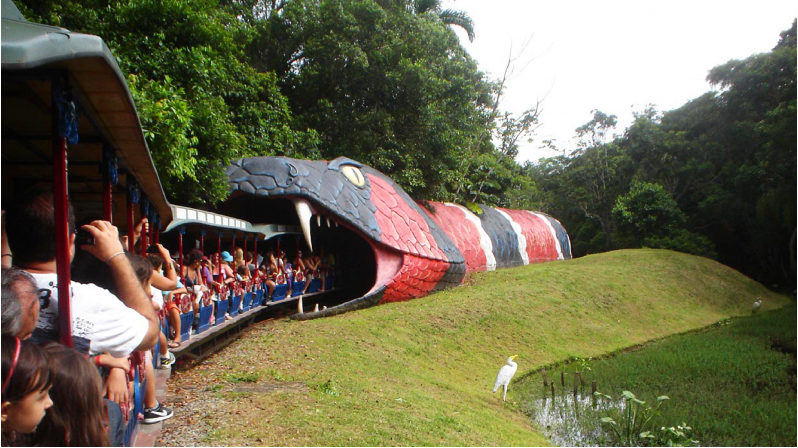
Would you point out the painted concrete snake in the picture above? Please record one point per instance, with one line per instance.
(415, 249)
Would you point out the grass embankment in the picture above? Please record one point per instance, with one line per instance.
(420, 372)
(733, 383)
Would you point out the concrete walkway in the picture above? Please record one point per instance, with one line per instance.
(146, 434)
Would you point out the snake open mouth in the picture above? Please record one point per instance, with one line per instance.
(328, 208)
(361, 266)
(384, 246)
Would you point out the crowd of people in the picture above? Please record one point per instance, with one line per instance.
(120, 301)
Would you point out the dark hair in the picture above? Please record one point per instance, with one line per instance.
(13, 314)
(242, 270)
(76, 417)
(194, 256)
(155, 260)
(86, 268)
(30, 226)
(141, 266)
(32, 372)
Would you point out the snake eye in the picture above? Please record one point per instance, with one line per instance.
(354, 175)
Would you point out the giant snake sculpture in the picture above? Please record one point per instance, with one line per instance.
(402, 250)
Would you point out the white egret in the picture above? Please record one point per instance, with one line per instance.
(757, 305)
(505, 375)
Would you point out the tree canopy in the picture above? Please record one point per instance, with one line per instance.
(387, 82)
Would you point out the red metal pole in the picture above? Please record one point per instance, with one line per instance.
(131, 222)
(219, 254)
(202, 242)
(108, 204)
(180, 251)
(144, 240)
(234, 245)
(62, 244)
(156, 235)
(246, 237)
(256, 251)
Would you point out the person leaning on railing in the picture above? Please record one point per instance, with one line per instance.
(101, 322)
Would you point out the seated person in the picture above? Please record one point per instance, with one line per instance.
(101, 322)
(267, 279)
(226, 270)
(195, 281)
(312, 265)
(155, 264)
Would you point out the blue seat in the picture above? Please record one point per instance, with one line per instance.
(257, 299)
(205, 318)
(315, 285)
(279, 292)
(247, 301)
(235, 303)
(186, 320)
(297, 289)
(329, 282)
(138, 406)
(221, 310)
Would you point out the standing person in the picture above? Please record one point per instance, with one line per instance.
(101, 322)
(27, 377)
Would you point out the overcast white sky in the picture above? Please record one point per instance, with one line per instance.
(614, 56)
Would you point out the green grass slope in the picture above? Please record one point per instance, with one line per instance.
(420, 372)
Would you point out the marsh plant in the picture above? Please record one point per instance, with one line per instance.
(633, 425)
(676, 436)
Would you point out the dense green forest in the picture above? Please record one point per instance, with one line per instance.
(387, 82)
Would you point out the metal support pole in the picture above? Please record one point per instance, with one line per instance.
(145, 230)
(64, 129)
(219, 255)
(62, 243)
(132, 198)
(110, 178)
(256, 252)
(180, 233)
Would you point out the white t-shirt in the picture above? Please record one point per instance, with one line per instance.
(100, 321)
(156, 296)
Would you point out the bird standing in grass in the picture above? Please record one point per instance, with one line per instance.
(505, 375)
(756, 306)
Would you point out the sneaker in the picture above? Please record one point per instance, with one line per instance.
(168, 360)
(156, 414)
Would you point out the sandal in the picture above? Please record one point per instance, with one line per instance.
(173, 344)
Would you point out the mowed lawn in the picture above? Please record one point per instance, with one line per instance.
(421, 372)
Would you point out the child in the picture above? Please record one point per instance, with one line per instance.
(154, 411)
(77, 415)
(27, 377)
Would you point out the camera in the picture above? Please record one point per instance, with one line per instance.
(83, 238)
